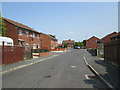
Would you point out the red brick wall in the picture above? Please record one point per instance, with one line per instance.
(92, 42)
(46, 42)
(11, 32)
(107, 38)
(54, 44)
(28, 39)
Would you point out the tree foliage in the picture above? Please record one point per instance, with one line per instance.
(83, 43)
(65, 45)
(78, 44)
(2, 27)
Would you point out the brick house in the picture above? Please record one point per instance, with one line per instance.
(92, 42)
(48, 41)
(53, 41)
(45, 41)
(22, 35)
(107, 38)
(115, 37)
(69, 42)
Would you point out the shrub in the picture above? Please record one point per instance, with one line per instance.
(40, 50)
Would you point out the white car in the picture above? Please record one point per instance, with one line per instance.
(7, 41)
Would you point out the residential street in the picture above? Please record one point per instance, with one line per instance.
(61, 44)
(68, 70)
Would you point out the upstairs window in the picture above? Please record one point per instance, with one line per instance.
(20, 32)
(27, 44)
(38, 36)
(27, 34)
(33, 35)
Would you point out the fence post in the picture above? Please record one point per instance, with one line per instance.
(104, 52)
(118, 52)
(3, 44)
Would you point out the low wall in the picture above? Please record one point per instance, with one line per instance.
(58, 49)
(37, 55)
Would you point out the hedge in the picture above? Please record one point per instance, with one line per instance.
(40, 50)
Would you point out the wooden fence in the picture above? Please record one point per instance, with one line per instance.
(112, 52)
(11, 54)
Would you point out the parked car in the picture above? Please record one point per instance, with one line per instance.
(7, 41)
(76, 47)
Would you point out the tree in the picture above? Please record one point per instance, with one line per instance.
(2, 27)
(65, 45)
(84, 42)
(78, 44)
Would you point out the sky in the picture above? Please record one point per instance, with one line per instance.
(65, 20)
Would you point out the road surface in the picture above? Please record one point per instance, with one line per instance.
(68, 70)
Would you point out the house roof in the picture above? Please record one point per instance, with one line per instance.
(93, 37)
(49, 36)
(110, 35)
(52, 37)
(68, 41)
(19, 24)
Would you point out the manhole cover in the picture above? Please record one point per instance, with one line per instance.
(48, 76)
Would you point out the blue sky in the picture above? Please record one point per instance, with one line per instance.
(66, 20)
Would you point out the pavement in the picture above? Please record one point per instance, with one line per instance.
(62, 70)
(107, 71)
(24, 63)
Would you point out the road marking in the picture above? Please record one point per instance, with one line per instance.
(73, 66)
(86, 76)
(12, 69)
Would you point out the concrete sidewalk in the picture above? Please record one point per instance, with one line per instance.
(106, 70)
(20, 64)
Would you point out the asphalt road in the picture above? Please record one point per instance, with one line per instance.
(68, 70)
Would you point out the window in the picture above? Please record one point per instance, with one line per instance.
(26, 34)
(33, 35)
(34, 46)
(27, 44)
(38, 45)
(40, 40)
(38, 36)
(20, 43)
(20, 32)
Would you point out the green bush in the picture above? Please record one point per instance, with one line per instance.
(40, 50)
(102, 56)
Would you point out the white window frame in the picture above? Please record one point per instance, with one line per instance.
(27, 33)
(38, 36)
(34, 46)
(33, 35)
(27, 44)
(20, 32)
(20, 43)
